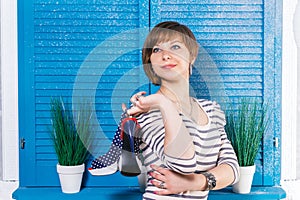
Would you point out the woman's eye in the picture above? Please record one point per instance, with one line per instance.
(175, 47)
(155, 50)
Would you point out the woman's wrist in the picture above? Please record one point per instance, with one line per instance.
(199, 182)
(203, 182)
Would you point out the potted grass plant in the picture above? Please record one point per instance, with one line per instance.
(71, 135)
(245, 129)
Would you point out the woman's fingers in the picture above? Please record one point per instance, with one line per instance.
(163, 192)
(159, 169)
(166, 180)
(136, 97)
(132, 111)
(137, 106)
(124, 107)
(160, 181)
(159, 173)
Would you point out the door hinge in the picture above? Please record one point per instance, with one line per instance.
(276, 142)
(22, 143)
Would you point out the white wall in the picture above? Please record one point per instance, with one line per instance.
(9, 173)
(296, 28)
(9, 89)
(290, 165)
(289, 93)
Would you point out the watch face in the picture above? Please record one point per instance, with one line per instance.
(214, 184)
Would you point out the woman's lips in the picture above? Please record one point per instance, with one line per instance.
(169, 66)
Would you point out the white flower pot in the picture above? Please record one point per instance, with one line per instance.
(243, 186)
(70, 177)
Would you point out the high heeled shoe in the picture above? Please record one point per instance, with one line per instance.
(123, 152)
(130, 164)
(108, 163)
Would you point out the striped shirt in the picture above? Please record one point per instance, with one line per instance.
(212, 148)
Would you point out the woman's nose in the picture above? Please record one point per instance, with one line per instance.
(166, 55)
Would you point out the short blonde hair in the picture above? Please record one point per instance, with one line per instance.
(163, 32)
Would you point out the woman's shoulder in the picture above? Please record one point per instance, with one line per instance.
(213, 109)
(205, 103)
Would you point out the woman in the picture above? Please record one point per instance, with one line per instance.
(185, 148)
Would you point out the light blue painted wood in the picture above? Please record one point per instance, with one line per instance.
(272, 88)
(278, 7)
(237, 60)
(26, 94)
(269, 85)
(125, 193)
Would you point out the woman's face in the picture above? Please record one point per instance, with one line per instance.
(170, 60)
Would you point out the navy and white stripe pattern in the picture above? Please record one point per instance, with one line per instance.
(212, 147)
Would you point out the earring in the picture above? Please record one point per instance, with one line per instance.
(191, 69)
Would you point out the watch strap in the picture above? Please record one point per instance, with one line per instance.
(210, 179)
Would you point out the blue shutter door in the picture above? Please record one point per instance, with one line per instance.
(272, 89)
(62, 45)
(60, 54)
(236, 57)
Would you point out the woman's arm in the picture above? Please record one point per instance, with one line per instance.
(226, 172)
(177, 142)
(175, 183)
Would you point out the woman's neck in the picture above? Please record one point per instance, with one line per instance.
(176, 93)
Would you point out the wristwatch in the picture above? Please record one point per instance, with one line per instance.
(211, 180)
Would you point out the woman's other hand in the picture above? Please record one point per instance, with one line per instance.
(173, 182)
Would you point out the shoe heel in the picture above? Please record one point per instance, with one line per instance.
(129, 166)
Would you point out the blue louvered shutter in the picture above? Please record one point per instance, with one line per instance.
(77, 50)
(235, 58)
(60, 54)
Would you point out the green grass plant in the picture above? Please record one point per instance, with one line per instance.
(71, 133)
(245, 129)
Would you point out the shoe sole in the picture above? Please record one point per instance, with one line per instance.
(104, 171)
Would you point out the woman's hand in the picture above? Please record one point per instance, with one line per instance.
(173, 182)
(142, 104)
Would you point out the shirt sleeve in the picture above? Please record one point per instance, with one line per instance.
(153, 135)
(226, 154)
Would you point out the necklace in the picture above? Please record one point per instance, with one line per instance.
(178, 105)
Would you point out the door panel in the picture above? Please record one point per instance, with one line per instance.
(235, 57)
(76, 50)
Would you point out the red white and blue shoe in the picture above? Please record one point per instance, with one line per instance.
(108, 163)
(122, 155)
